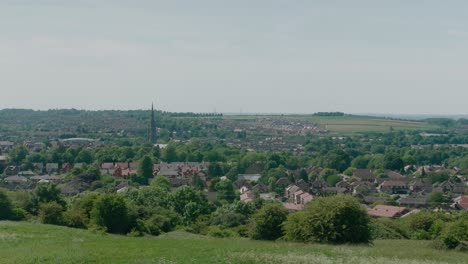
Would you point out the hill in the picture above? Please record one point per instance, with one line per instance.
(22, 242)
(347, 124)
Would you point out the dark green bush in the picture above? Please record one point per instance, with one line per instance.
(266, 223)
(51, 213)
(335, 219)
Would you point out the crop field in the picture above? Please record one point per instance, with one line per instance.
(357, 124)
(349, 124)
(22, 242)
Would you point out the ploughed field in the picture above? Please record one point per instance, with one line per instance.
(22, 242)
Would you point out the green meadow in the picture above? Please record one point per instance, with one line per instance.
(23, 242)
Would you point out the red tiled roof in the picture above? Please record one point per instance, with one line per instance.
(387, 211)
(462, 201)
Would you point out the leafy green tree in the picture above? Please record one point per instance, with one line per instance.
(45, 193)
(437, 198)
(335, 219)
(161, 182)
(225, 191)
(18, 154)
(189, 203)
(266, 222)
(197, 182)
(360, 162)
(215, 170)
(337, 159)
(170, 154)
(145, 169)
(6, 208)
(455, 233)
(84, 156)
(110, 211)
(51, 213)
(393, 161)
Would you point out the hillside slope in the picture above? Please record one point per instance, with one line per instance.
(36, 243)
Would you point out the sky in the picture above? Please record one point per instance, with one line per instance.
(249, 56)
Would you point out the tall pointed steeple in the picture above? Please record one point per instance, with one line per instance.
(152, 134)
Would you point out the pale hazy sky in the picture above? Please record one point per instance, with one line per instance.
(256, 55)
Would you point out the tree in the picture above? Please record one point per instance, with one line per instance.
(266, 222)
(225, 191)
(6, 208)
(18, 154)
(360, 162)
(455, 233)
(189, 203)
(334, 219)
(161, 182)
(110, 211)
(170, 154)
(45, 193)
(145, 169)
(437, 198)
(337, 159)
(51, 213)
(84, 156)
(393, 161)
(214, 170)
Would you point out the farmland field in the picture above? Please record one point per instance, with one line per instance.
(350, 124)
(22, 242)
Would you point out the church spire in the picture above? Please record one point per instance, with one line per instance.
(152, 134)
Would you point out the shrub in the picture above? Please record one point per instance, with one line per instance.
(294, 227)
(218, 232)
(454, 234)
(5, 206)
(51, 213)
(111, 212)
(266, 222)
(76, 218)
(18, 214)
(386, 229)
(335, 219)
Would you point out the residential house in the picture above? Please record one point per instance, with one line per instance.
(260, 188)
(460, 202)
(415, 201)
(421, 185)
(122, 165)
(249, 177)
(11, 170)
(387, 211)
(453, 187)
(38, 167)
(244, 189)
(303, 185)
(318, 186)
(247, 197)
(66, 167)
(290, 191)
(52, 168)
(393, 187)
(364, 175)
(335, 190)
(6, 146)
(16, 180)
(45, 178)
(282, 182)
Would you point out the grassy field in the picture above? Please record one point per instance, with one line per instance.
(35, 243)
(352, 124)
(357, 124)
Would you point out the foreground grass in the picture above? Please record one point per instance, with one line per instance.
(22, 242)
